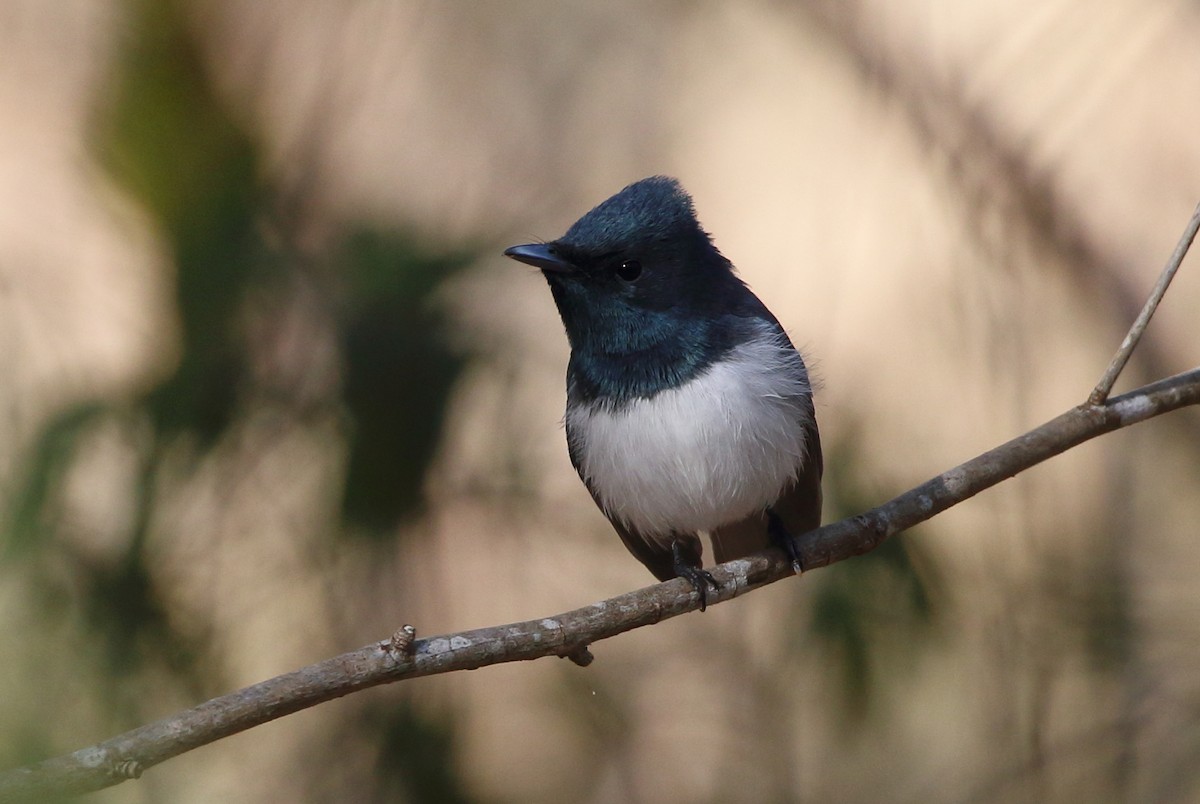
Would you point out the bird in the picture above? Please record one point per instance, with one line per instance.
(689, 410)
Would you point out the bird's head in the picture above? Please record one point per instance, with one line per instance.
(635, 272)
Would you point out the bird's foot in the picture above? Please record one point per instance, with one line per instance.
(784, 540)
(698, 577)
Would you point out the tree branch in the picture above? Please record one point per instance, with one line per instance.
(568, 635)
(1102, 389)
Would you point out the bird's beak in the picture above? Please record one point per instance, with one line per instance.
(540, 255)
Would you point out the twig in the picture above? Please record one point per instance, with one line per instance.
(1104, 387)
(568, 634)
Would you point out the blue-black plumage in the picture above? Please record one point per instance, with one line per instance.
(688, 408)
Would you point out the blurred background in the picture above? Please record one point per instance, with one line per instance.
(269, 390)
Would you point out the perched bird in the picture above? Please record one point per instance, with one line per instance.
(688, 408)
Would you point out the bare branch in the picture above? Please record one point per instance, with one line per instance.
(1101, 391)
(568, 634)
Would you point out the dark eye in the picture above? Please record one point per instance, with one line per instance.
(629, 270)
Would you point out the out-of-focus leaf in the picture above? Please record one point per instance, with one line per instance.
(875, 613)
(122, 605)
(416, 758)
(28, 510)
(398, 375)
(173, 145)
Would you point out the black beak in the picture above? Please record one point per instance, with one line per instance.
(540, 255)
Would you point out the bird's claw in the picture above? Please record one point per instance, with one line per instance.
(784, 540)
(698, 577)
(700, 580)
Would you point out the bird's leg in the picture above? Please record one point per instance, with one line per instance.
(784, 540)
(688, 567)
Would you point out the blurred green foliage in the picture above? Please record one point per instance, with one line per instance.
(167, 138)
(28, 515)
(174, 147)
(170, 142)
(875, 615)
(398, 375)
(415, 760)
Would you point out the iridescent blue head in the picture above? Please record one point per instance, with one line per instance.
(646, 299)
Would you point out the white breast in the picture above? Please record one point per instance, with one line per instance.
(715, 450)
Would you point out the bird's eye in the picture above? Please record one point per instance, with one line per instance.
(629, 270)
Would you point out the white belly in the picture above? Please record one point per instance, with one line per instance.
(715, 450)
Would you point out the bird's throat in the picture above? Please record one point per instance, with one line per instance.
(618, 376)
(621, 352)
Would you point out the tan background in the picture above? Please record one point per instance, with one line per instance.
(955, 207)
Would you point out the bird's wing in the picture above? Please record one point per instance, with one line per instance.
(799, 507)
(654, 553)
